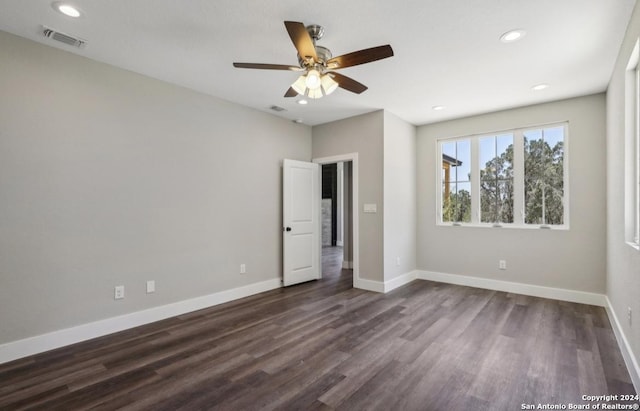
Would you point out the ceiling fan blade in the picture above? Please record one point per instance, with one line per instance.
(267, 66)
(301, 39)
(291, 92)
(360, 57)
(348, 83)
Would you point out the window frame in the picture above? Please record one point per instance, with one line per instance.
(478, 168)
(636, 160)
(518, 177)
(470, 181)
(632, 149)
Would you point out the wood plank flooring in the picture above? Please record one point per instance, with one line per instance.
(324, 345)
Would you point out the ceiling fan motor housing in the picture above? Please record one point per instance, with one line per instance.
(323, 54)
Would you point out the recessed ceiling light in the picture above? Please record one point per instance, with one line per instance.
(297, 121)
(512, 35)
(539, 87)
(438, 108)
(302, 102)
(66, 9)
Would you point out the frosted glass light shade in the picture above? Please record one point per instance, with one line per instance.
(329, 85)
(315, 92)
(300, 85)
(313, 79)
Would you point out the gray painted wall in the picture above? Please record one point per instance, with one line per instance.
(108, 177)
(573, 259)
(623, 261)
(363, 135)
(386, 147)
(400, 219)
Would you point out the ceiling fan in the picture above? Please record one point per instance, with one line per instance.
(317, 64)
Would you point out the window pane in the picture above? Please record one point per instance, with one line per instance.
(455, 178)
(553, 136)
(544, 176)
(505, 201)
(496, 202)
(463, 203)
(456, 203)
(449, 148)
(496, 179)
(463, 157)
(447, 207)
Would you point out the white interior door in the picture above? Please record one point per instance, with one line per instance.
(301, 219)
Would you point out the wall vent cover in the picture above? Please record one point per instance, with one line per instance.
(63, 38)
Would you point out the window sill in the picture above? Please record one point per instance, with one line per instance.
(633, 245)
(507, 226)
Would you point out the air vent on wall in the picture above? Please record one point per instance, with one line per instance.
(63, 38)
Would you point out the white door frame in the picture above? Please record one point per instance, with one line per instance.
(353, 158)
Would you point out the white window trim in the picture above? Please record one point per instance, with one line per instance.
(636, 233)
(632, 150)
(518, 166)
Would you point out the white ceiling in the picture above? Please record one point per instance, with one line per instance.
(447, 52)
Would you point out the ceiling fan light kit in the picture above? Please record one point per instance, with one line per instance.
(316, 61)
(314, 86)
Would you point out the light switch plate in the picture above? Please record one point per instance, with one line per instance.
(370, 208)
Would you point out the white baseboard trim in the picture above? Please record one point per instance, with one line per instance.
(629, 359)
(517, 288)
(385, 287)
(41, 343)
(347, 265)
(400, 280)
(369, 285)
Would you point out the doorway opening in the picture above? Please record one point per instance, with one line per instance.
(339, 238)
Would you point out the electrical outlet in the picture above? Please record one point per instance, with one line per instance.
(243, 268)
(151, 286)
(502, 264)
(118, 293)
(629, 315)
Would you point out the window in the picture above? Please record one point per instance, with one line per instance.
(456, 186)
(632, 150)
(511, 178)
(496, 179)
(544, 176)
(636, 237)
(635, 149)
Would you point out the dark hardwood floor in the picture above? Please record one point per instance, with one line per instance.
(325, 345)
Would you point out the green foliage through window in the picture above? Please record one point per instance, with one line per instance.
(544, 176)
(496, 179)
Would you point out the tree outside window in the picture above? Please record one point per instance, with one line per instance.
(496, 179)
(544, 176)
